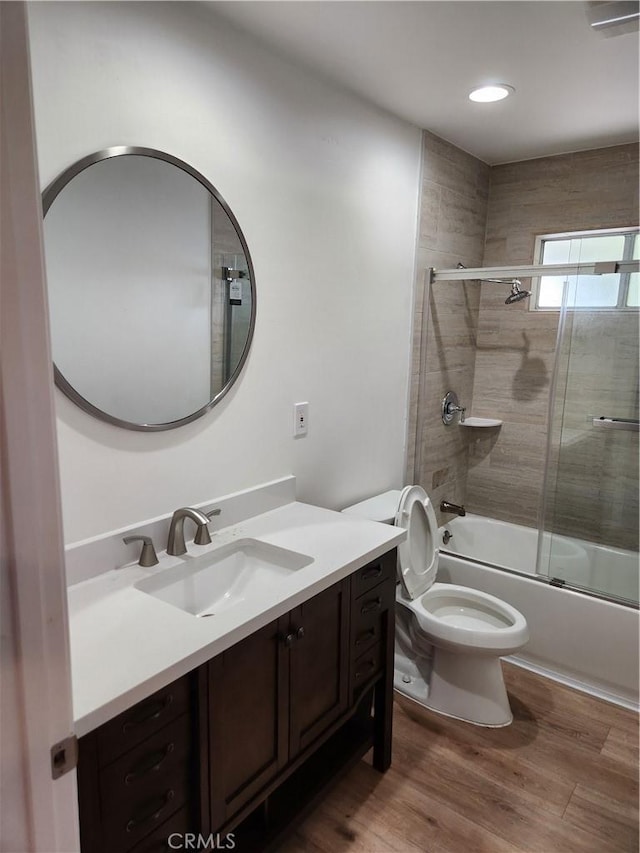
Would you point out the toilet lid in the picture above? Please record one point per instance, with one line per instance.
(418, 554)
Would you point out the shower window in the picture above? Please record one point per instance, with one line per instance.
(606, 292)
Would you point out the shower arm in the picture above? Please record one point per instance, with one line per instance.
(501, 280)
(517, 293)
(504, 280)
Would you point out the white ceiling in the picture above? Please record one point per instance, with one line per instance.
(575, 88)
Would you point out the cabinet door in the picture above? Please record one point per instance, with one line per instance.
(248, 714)
(319, 664)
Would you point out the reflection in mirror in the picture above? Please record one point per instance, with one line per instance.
(151, 289)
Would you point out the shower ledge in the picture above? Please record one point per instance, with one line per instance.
(480, 422)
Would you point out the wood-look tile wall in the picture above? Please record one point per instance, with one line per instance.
(516, 346)
(455, 190)
(499, 359)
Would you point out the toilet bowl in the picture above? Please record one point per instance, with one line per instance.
(449, 638)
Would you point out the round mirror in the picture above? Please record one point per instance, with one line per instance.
(151, 288)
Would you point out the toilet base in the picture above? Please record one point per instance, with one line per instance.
(468, 688)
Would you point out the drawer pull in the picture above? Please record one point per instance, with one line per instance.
(153, 713)
(371, 573)
(156, 761)
(135, 822)
(367, 669)
(371, 606)
(365, 636)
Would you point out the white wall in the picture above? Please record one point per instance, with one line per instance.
(325, 188)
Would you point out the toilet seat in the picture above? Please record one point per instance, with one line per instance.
(418, 554)
(457, 616)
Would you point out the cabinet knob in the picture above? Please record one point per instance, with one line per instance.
(297, 634)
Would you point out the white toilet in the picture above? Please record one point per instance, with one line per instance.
(449, 639)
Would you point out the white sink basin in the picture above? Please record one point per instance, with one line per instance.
(212, 583)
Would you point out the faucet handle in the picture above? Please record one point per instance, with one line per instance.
(202, 536)
(148, 556)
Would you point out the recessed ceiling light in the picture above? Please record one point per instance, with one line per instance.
(486, 94)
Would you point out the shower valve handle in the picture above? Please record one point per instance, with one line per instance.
(451, 409)
(450, 406)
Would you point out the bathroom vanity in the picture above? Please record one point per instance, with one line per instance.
(254, 725)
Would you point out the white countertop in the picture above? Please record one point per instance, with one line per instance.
(126, 644)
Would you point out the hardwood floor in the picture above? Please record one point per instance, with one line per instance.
(562, 778)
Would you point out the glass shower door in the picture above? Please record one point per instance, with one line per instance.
(589, 531)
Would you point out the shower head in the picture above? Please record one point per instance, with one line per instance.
(516, 293)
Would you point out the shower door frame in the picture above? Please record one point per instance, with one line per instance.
(508, 273)
(531, 271)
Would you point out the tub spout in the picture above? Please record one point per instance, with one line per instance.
(445, 506)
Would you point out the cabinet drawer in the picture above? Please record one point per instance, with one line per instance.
(145, 771)
(160, 840)
(366, 634)
(137, 818)
(368, 607)
(138, 723)
(366, 667)
(384, 568)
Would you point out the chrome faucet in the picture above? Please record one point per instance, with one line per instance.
(176, 544)
(456, 509)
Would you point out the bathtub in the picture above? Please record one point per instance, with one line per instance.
(585, 642)
(612, 571)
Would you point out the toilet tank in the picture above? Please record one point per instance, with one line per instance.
(378, 508)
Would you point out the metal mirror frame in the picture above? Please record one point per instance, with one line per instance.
(49, 196)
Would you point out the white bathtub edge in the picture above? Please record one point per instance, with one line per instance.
(575, 684)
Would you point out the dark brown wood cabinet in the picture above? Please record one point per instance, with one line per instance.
(272, 694)
(248, 716)
(319, 665)
(138, 774)
(235, 745)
